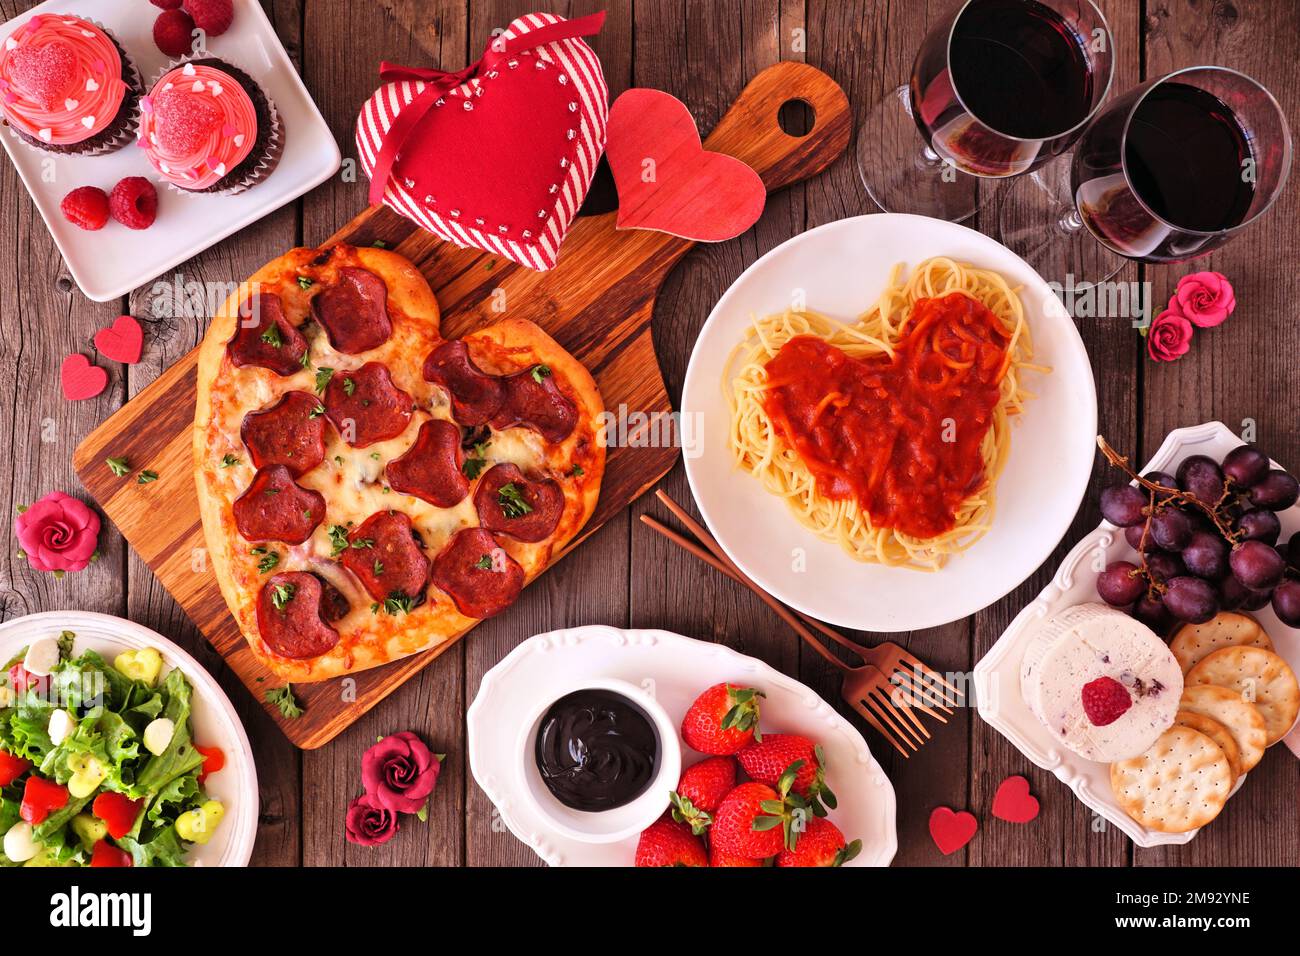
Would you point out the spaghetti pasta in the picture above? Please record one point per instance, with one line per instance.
(764, 447)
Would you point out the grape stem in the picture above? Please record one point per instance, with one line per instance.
(1175, 494)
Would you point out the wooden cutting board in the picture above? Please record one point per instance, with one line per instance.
(597, 303)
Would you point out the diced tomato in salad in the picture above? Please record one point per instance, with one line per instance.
(40, 797)
(12, 767)
(214, 758)
(117, 811)
(105, 854)
(21, 681)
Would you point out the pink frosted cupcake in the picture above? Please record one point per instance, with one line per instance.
(207, 127)
(66, 86)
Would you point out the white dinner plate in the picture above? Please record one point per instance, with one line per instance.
(840, 270)
(997, 675)
(214, 720)
(112, 261)
(675, 670)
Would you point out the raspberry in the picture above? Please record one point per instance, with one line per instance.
(86, 206)
(166, 4)
(134, 202)
(212, 16)
(171, 32)
(1105, 700)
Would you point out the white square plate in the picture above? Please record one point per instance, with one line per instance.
(997, 675)
(112, 261)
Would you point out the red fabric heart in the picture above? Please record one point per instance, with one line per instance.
(80, 379)
(503, 159)
(951, 831)
(44, 73)
(122, 341)
(1013, 801)
(667, 181)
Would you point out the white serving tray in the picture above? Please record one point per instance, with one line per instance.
(997, 675)
(112, 261)
(675, 669)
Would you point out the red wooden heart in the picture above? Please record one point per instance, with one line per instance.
(1013, 801)
(951, 831)
(80, 379)
(667, 181)
(122, 341)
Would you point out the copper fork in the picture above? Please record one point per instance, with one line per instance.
(885, 690)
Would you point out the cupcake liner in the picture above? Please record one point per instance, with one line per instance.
(124, 134)
(271, 150)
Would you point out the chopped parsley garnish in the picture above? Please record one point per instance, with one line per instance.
(282, 697)
(316, 412)
(397, 601)
(338, 459)
(379, 244)
(323, 376)
(375, 455)
(512, 502)
(305, 361)
(268, 562)
(338, 539)
(145, 477)
(272, 491)
(377, 567)
(540, 372)
(484, 563)
(228, 459)
(281, 594)
(272, 337)
(473, 467)
(577, 471)
(363, 543)
(349, 386)
(305, 283)
(118, 466)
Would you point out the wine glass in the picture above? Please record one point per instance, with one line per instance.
(998, 88)
(1167, 172)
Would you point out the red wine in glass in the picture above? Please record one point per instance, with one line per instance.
(1177, 166)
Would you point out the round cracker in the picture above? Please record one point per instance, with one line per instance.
(1220, 734)
(1241, 717)
(1228, 629)
(1179, 784)
(1259, 676)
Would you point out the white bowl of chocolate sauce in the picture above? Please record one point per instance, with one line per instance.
(599, 760)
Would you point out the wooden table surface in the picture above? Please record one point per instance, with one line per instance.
(703, 52)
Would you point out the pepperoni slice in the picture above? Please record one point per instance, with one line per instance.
(532, 399)
(475, 395)
(386, 557)
(354, 312)
(477, 573)
(365, 406)
(265, 338)
(291, 433)
(293, 614)
(431, 468)
(274, 508)
(508, 502)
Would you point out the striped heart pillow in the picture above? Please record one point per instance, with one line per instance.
(502, 159)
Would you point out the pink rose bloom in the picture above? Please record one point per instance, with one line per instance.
(369, 824)
(58, 533)
(1169, 337)
(1205, 298)
(399, 772)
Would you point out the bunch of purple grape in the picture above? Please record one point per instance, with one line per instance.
(1207, 540)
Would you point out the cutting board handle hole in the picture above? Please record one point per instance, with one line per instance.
(796, 118)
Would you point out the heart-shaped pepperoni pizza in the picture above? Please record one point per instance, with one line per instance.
(368, 488)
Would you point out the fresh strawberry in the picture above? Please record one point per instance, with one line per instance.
(769, 758)
(669, 843)
(754, 821)
(718, 858)
(723, 719)
(700, 791)
(820, 844)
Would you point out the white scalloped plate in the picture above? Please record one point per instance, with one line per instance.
(997, 675)
(676, 669)
(214, 720)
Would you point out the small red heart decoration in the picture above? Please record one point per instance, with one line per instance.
(122, 341)
(667, 181)
(80, 379)
(1013, 802)
(45, 72)
(951, 831)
